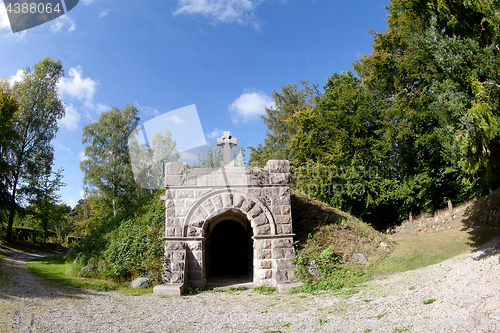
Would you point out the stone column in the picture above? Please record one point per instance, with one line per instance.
(262, 261)
(196, 262)
(174, 269)
(282, 253)
(272, 259)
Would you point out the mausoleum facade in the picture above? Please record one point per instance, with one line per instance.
(227, 221)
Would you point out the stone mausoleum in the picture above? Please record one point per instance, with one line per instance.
(228, 221)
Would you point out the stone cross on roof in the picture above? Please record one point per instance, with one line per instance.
(227, 142)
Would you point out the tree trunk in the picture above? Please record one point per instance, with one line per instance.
(12, 214)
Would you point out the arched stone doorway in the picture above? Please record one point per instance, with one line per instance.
(199, 199)
(229, 250)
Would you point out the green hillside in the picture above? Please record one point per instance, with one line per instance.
(331, 237)
(127, 245)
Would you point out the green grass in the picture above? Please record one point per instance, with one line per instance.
(264, 290)
(56, 270)
(429, 301)
(423, 250)
(239, 288)
(218, 290)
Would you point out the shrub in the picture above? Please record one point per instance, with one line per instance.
(127, 245)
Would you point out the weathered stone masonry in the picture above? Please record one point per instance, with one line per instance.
(198, 197)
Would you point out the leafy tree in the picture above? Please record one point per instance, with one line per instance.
(85, 216)
(239, 160)
(44, 200)
(148, 163)
(211, 159)
(279, 133)
(340, 129)
(8, 107)
(214, 157)
(437, 66)
(60, 221)
(334, 154)
(31, 153)
(107, 167)
(425, 115)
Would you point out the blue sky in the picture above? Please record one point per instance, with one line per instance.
(224, 56)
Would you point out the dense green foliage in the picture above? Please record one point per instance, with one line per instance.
(417, 127)
(416, 124)
(127, 245)
(148, 163)
(8, 107)
(29, 154)
(286, 103)
(211, 159)
(215, 156)
(107, 169)
(44, 198)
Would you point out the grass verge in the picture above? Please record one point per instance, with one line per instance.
(423, 250)
(56, 270)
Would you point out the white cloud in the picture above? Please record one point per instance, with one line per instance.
(100, 108)
(61, 146)
(82, 156)
(62, 21)
(70, 121)
(81, 193)
(240, 11)
(78, 87)
(16, 78)
(216, 133)
(87, 2)
(71, 203)
(176, 120)
(4, 19)
(185, 156)
(147, 110)
(83, 89)
(103, 12)
(249, 105)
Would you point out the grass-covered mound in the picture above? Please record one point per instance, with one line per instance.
(331, 237)
(130, 244)
(127, 245)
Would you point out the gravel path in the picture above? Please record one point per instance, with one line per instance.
(466, 290)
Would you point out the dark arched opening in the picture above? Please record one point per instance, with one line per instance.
(229, 250)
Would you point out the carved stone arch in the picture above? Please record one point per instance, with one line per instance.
(225, 214)
(196, 198)
(221, 201)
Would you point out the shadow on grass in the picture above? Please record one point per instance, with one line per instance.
(482, 223)
(55, 269)
(16, 281)
(308, 216)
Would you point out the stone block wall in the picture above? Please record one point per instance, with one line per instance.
(258, 196)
